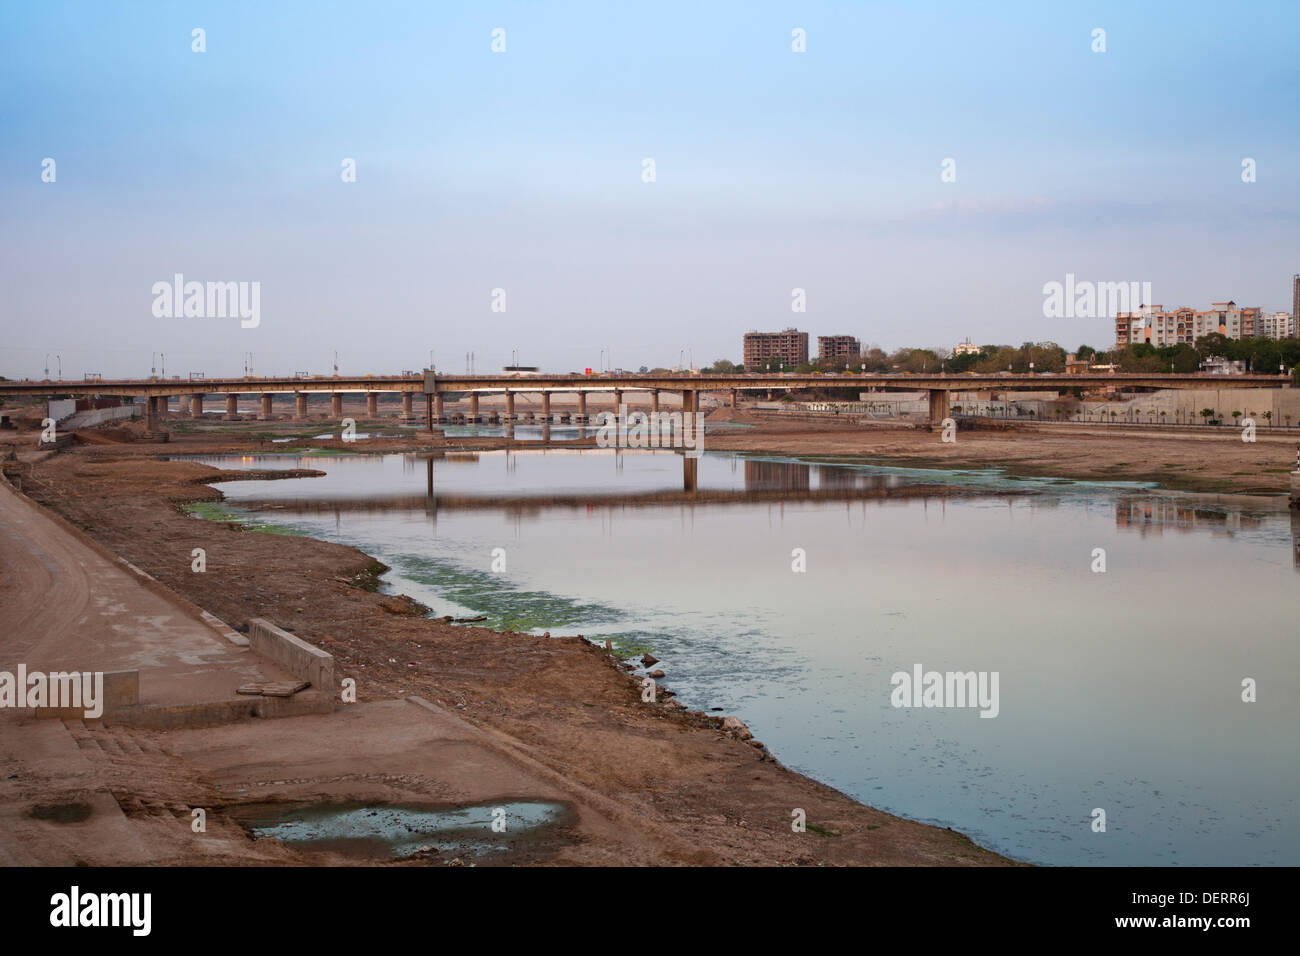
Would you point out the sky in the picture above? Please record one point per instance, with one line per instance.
(523, 170)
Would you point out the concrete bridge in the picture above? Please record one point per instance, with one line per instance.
(437, 388)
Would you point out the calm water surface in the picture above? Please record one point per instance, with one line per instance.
(1119, 690)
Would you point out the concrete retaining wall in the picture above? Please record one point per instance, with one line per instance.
(121, 692)
(295, 655)
(98, 416)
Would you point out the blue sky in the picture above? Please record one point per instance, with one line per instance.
(522, 170)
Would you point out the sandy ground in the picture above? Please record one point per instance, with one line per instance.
(561, 701)
(691, 793)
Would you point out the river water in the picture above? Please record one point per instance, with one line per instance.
(1118, 690)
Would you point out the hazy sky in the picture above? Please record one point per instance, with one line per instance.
(522, 170)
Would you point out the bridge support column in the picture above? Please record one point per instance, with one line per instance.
(938, 407)
(266, 406)
(439, 407)
(372, 404)
(196, 406)
(690, 401)
(734, 394)
(232, 407)
(155, 408)
(408, 405)
(582, 408)
(300, 405)
(654, 399)
(690, 473)
(473, 407)
(510, 406)
(618, 400)
(336, 404)
(428, 412)
(546, 407)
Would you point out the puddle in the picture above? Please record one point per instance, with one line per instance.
(62, 812)
(390, 831)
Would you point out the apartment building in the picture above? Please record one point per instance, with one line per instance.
(1277, 325)
(1156, 326)
(965, 348)
(789, 347)
(838, 348)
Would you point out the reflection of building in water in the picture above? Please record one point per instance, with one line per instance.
(1153, 515)
(832, 477)
(776, 475)
(835, 478)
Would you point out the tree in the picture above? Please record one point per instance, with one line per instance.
(1207, 414)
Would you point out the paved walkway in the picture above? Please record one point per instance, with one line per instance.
(65, 605)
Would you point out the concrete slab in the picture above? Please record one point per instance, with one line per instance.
(68, 604)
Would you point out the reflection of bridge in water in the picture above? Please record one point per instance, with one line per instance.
(777, 481)
(765, 481)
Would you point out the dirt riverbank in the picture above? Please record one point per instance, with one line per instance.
(570, 704)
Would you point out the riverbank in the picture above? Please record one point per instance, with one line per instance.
(565, 702)
(568, 703)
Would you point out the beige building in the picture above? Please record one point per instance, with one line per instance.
(1277, 325)
(789, 347)
(838, 348)
(1155, 326)
(965, 348)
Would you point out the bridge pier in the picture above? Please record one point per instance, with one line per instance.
(300, 405)
(232, 407)
(690, 473)
(510, 406)
(408, 405)
(196, 406)
(473, 407)
(154, 410)
(372, 404)
(267, 398)
(336, 404)
(938, 407)
(546, 407)
(690, 401)
(734, 393)
(439, 407)
(654, 399)
(618, 400)
(582, 407)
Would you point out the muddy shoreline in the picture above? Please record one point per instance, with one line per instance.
(571, 704)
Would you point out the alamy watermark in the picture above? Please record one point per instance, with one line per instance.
(946, 689)
(1092, 300)
(71, 690)
(683, 430)
(208, 300)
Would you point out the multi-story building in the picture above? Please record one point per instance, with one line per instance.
(1295, 305)
(789, 347)
(1153, 325)
(965, 348)
(1277, 325)
(838, 348)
